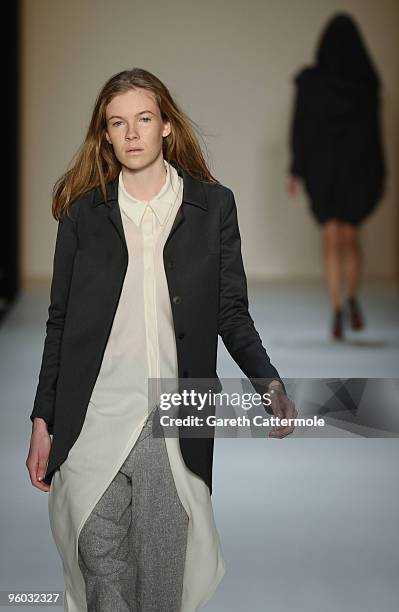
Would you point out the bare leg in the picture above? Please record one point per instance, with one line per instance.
(353, 270)
(353, 258)
(332, 253)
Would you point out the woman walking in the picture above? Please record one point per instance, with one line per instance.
(337, 153)
(147, 272)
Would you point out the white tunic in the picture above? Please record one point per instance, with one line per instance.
(141, 345)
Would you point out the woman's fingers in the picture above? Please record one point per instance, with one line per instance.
(35, 474)
(38, 458)
(283, 408)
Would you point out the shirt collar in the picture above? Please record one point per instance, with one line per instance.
(161, 203)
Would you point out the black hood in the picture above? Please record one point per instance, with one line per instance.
(342, 54)
(343, 80)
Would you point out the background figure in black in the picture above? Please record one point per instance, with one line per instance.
(337, 152)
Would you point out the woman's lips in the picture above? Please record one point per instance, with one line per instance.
(134, 151)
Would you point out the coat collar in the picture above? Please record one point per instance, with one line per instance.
(193, 190)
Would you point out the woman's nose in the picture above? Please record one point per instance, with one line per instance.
(131, 131)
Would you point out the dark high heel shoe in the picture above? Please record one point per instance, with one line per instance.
(337, 330)
(356, 317)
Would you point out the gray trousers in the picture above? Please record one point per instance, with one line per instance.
(132, 547)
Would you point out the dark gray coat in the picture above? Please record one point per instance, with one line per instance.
(208, 294)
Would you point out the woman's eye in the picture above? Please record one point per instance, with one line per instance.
(117, 123)
(146, 119)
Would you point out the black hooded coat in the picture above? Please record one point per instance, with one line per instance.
(335, 133)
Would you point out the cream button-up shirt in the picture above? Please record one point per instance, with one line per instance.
(141, 345)
(146, 225)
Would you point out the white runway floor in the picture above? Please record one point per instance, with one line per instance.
(306, 524)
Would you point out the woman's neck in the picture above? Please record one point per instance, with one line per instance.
(145, 183)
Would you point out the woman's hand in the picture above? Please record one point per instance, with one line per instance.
(293, 185)
(40, 445)
(282, 407)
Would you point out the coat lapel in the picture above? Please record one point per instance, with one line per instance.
(193, 194)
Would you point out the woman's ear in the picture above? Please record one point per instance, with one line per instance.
(108, 138)
(166, 128)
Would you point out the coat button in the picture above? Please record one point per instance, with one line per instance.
(185, 373)
(181, 335)
(170, 264)
(176, 299)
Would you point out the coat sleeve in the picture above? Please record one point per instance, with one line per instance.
(65, 250)
(380, 151)
(236, 326)
(298, 135)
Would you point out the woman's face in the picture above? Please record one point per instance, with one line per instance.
(134, 122)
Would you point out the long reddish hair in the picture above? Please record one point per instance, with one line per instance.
(95, 164)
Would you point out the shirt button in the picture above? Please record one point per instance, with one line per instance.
(176, 299)
(181, 335)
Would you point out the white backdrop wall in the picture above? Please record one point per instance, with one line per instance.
(229, 64)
